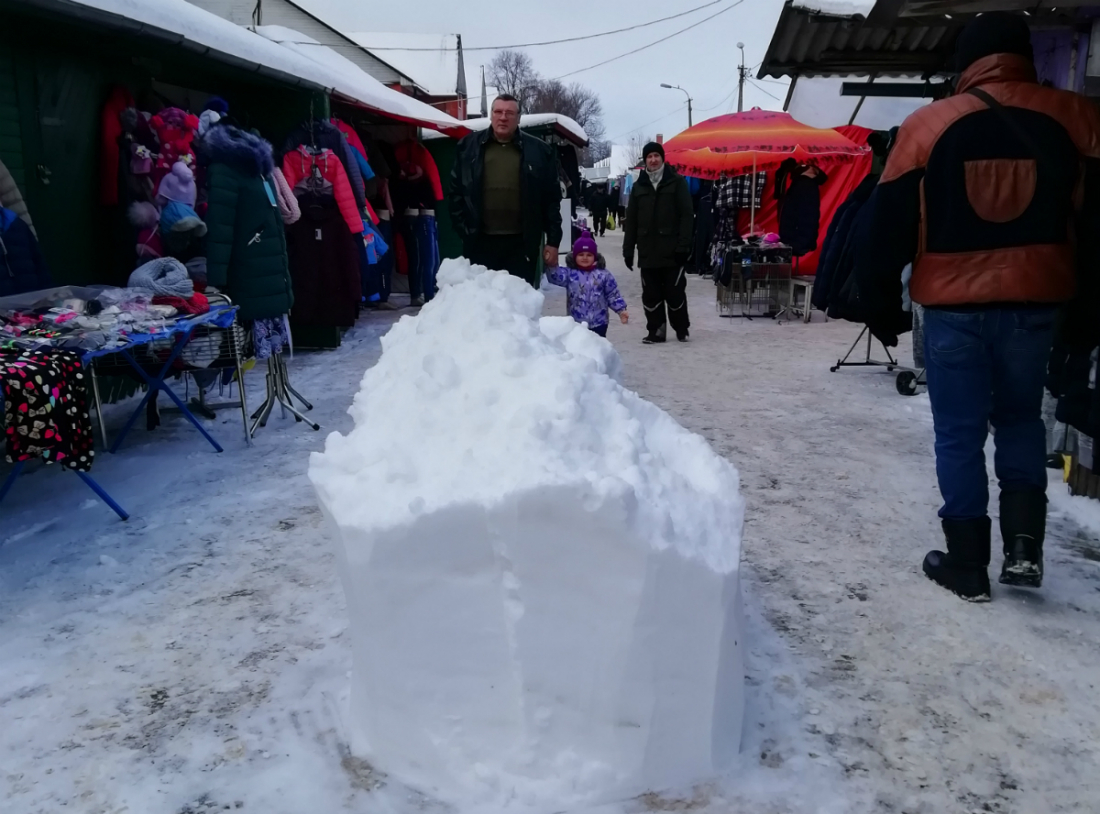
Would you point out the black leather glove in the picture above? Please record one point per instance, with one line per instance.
(629, 262)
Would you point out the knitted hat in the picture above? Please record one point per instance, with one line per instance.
(217, 104)
(995, 32)
(179, 185)
(653, 147)
(207, 119)
(180, 217)
(584, 243)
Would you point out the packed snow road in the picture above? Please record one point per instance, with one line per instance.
(196, 658)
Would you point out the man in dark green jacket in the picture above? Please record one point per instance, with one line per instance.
(659, 224)
(504, 195)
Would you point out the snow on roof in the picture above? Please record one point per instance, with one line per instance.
(280, 33)
(530, 120)
(436, 71)
(840, 8)
(355, 83)
(281, 51)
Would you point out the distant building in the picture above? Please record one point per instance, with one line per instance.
(434, 62)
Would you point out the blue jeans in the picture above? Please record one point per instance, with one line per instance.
(987, 367)
(422, 248)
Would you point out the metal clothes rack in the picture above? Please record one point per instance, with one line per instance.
(868, 361)
(279, 390)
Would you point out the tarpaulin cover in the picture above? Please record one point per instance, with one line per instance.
(756, 140)
(843, 179)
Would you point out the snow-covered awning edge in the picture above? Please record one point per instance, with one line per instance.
(562, 125)
(179, 23)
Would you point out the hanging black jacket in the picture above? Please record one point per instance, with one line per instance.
(831, 276)
(799, 209)
(540, 194)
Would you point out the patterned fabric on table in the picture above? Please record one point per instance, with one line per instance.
(46, 408)
(270, 336)
(736, 193)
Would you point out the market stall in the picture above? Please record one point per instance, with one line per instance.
(735, 152)
(225, 192)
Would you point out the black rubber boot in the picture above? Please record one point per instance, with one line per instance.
(963, 570)
(1023, 529)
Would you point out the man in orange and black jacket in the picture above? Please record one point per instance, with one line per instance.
(992, 194)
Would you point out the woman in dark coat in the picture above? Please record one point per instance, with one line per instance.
(245, 243)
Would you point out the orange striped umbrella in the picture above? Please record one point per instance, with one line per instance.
(752, 141)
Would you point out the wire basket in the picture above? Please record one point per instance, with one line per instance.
(757, 290)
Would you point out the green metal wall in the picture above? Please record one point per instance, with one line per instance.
(54, 81)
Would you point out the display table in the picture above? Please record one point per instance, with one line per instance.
(213, 341)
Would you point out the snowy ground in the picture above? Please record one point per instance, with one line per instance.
(195, 658)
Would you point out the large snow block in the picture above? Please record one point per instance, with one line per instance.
(541, 567)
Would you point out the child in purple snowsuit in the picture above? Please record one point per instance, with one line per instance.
(591, 289)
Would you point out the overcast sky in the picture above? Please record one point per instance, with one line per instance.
(703, 60)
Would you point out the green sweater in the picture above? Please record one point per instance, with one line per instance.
(502, 209)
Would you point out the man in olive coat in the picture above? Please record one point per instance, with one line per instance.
(659, 224)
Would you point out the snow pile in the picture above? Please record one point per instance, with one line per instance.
(541, 567)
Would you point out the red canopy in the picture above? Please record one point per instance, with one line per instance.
(735, 144)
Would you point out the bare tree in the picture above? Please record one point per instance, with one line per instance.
(512, 72)
(579, 103)
(634, 149)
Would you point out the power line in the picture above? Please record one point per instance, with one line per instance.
(650, 45)
(728, 96)
(555, 42)
(647, 124)
(766, 93)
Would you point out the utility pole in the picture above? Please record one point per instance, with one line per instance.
(741, 80)
(688, 95)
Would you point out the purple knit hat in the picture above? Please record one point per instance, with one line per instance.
(584, 243)
(179, 185)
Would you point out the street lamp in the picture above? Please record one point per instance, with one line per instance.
(741, 80)
(688, 95)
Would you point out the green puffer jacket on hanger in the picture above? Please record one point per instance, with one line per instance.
(245, 243)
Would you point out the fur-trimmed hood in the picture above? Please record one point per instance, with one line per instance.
(225, 144)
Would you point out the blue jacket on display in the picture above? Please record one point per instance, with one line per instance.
(22, 266)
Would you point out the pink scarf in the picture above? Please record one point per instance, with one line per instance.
(284, 196)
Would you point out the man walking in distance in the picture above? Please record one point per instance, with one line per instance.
(504, 195)
(991, 193)
(659, 224)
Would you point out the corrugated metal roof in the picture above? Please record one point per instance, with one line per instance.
(808, 42)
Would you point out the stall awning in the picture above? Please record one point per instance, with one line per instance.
(355, 85)
(555, 123)
(809, 42)
(180, 23)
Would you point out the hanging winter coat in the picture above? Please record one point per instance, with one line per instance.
(832, 250)
(245, 243)
(299, 164)
(324, 265)
(11, 198)
(325, 135)
(800, 210)
(22, 266)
